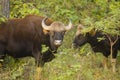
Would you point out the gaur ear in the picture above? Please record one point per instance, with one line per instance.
(80, 27)
(45, 31)
(92, 32)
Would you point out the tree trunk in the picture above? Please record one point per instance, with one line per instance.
(6, 8)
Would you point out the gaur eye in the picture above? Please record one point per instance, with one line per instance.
(52, 34)
(63, 32)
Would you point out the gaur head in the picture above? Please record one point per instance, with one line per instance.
(82, 38)
(56, 32)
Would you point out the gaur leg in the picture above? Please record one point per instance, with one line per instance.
(105, 63)
(38, 58)
(105, 60)
(113, 60)
(1, 60)
(113, 63)
(2, 53)
(48, 56)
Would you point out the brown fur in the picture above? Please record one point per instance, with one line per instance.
(24, 37)
(58, 26)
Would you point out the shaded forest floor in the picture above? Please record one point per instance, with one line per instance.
(66, 66)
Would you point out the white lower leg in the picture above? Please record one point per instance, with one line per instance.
(113, 63)
(105, 63)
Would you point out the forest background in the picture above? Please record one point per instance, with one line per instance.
(69, 64)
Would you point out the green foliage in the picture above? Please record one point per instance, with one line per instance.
(21, 9)
(44, 48)
(69, 64)
(2, 18)
(101, 38)
(62, 70)
(103, 16)
(53, 9)
(13, 69)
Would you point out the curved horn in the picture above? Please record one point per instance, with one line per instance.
(44, 25)
(69, 26)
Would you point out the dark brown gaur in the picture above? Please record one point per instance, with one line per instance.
(25, 36)
(102, 46)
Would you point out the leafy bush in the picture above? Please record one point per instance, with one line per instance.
(20, 9)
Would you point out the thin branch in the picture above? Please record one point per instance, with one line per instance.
(112, 42)
(115, 40)
(109, 38)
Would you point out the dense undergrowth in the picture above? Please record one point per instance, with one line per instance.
(69, 64)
